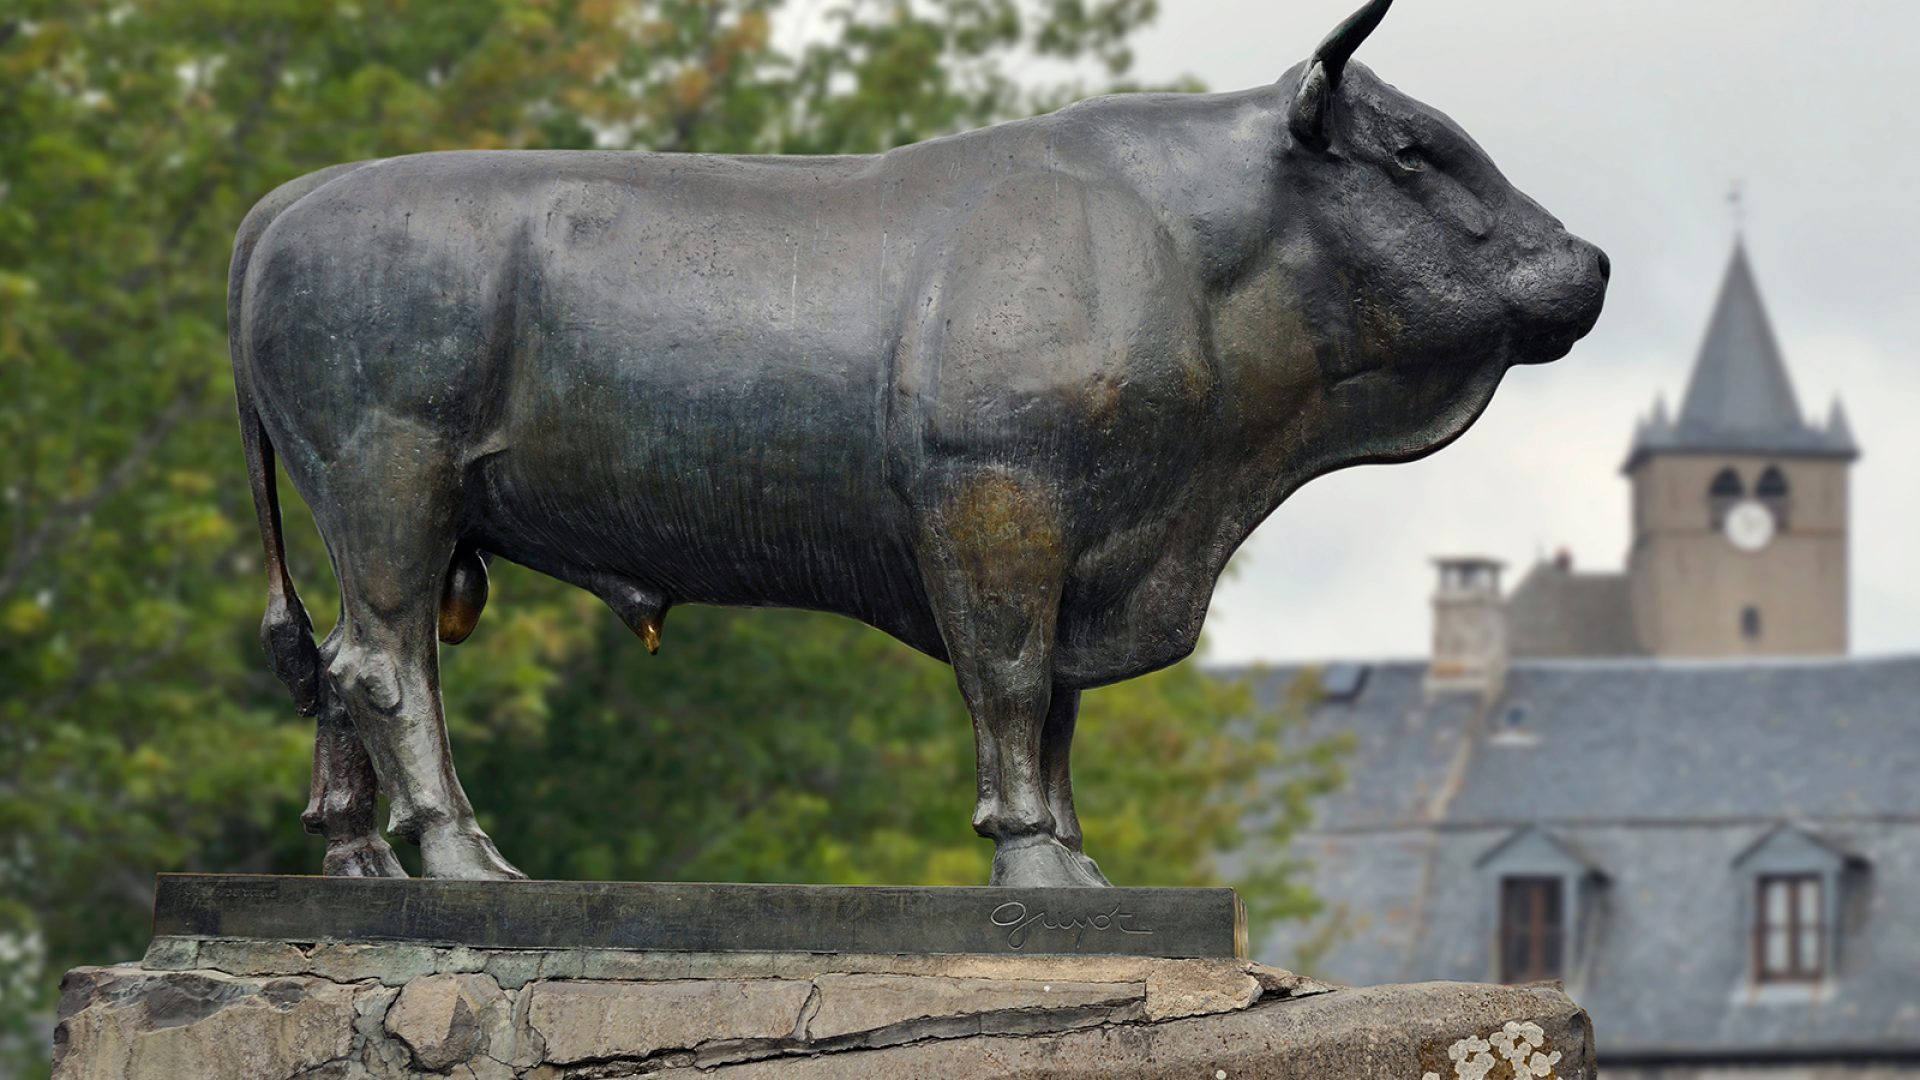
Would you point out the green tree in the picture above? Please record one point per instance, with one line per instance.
(139, 728)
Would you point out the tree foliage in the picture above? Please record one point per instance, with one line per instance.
(139, 729)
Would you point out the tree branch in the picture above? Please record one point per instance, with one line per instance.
(93, 675)
(243, 129)
(61, 518)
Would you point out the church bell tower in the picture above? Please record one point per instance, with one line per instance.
(1739, 504)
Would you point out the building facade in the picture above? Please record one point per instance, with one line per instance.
(1669, 787)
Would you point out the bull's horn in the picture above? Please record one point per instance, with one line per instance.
(1309, 115)
(1339, 46)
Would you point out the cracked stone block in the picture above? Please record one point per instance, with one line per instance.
(381, 1055)
(518, 1044)
(482, 1069)
(393, 965)
(461, 959)
(171, 954)
(513, 968)
(858, 1003)
(1198, 989)
(1275, 982)
(252, 957)
(126, 1025)
(614, 964)
(446, 1019)
(582, 1021)
(1385, 1032)
(793, 1017)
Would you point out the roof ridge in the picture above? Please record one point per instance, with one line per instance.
(1715, 663)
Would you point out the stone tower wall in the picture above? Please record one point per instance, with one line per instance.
(1690, 584)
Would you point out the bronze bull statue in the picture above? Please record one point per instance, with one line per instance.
(1012, 396)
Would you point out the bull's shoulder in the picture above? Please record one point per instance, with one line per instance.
(1056, 298)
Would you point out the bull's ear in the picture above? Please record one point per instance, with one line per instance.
(1307, 118)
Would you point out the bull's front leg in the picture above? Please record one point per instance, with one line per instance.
(1056, 751)
(342, 804)
(992, 556)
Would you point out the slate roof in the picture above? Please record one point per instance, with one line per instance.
(1740, 398)
(1661, 774)
(1564, 613)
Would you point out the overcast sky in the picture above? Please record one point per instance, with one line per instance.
(1628, 119)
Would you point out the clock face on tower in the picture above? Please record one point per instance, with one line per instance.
(1749, 525)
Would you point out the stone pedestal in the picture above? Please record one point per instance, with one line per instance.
(214, 1009)
(261, 978)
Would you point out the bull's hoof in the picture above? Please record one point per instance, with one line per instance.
(1092, 869)
(1041, 862)
(454, 851)
(362, 856)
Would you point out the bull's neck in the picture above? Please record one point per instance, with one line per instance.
(1267, 435)
(1206, 165)
(1266, 440)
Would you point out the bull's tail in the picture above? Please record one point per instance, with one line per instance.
(286, 632)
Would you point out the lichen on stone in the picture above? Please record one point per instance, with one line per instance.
(1522, 1052)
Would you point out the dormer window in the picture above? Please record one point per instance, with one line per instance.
(1533, 929)
(1789, 931)
(1798, 885)
(1545, 898)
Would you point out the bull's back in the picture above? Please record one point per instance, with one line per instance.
(668, 368)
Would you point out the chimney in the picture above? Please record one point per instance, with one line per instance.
(1469, 628)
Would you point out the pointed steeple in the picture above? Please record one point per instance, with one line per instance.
(1740, 398)
(1740, 381)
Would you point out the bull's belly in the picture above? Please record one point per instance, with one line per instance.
(748, 529)
(739, 534)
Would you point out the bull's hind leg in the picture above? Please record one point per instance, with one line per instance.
(992, 562)
(389, 525)
(341, 806)
(1056, 749)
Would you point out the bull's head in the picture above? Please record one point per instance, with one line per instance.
(1421, 274)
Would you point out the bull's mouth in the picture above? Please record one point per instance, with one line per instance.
(1544, 346)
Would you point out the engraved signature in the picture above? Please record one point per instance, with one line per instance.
(1013, 916)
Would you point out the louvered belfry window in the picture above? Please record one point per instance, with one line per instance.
(1532, 929)
(1789, 933)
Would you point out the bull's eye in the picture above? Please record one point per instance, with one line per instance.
(1411, 159)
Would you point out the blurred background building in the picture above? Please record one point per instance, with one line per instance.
(1669, 787)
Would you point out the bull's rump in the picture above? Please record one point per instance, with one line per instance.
(671, 369)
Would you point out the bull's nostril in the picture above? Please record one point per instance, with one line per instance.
(1606, 264)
